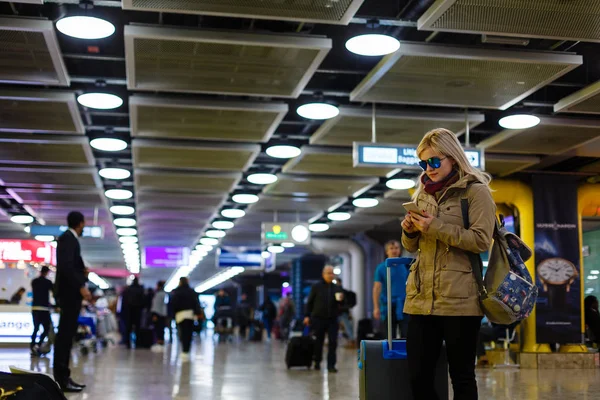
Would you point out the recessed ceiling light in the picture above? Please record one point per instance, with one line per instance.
(372, 45)
(81, 27)
(122, 210)
(275, 249)
(519, 121)
(209, 241)
(222, 224)
(129, 246)
(285, 284)
(265, 254)
(233, 213)
(288, 245)
(318, 227)
(108, 144)
(318, 111)
(199, 253)
(204, 247)
(365, 202)
(22, 219)
(262, 179)
(339, 216)
(114, 173)
(118, 194)
(213, 233)
(245, 198)
(400, 184)
(128, 239)
(125, 222)
(126, 231)
(44, 238)
(300, 233)
(100, 101)
(283, 151)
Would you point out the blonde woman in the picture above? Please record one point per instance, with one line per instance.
(441, 292)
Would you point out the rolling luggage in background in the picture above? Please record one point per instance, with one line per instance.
(366, 331)
(145, 339)
(383, 367)
(300, 350)
(256, 331)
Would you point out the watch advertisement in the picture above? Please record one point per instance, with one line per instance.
(558, 309)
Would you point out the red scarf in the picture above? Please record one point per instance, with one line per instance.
(432, 187)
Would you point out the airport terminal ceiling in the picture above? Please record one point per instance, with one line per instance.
(207, 89)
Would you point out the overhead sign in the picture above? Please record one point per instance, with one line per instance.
(400, 156)
(57, 230)
(18, 325)
(166, 257)
(239, 257)
(32, 251)
(279, 232)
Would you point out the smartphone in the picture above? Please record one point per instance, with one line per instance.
(412, 207)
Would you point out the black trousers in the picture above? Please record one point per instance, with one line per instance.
(40, 317)
(186, 332)
(159, 327)
(67, 329)
(424, 343)
(331, 327)
(132, 324)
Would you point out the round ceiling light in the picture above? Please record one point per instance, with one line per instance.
(118, 194)
(288, 245)
(204, 247)
(128, 239)
(275, 249)
(339, 216)
(262, 179)
(124, 222)
(81, 27)
(122, 210)
(108, 144)
(245, 198)
(519, 121)
(283, 151)
(300, 233)
(222, 224)
(100, 101)
(209, 241)
(114, 173)
(44, 238)
(372, 45)
(365, 202)
(233, 213)
(318, 111)
(400, 184)
(126, 232)
(285, 284)
(213, 233)
(265, 254)
(129, 246)
(318, 227)
(22, 219)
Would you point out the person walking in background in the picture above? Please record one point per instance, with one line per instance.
(399, 276)
(70, 290)
(134, 300)
(287, 312)
(442, 294)
(242, 315)
(186, 306)
(269, 313)
(345, 316)
(159, 316)
(322, 311)
(18, 296)
(592, 318)
(40, 309)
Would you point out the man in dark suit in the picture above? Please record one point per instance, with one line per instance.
(70, 290)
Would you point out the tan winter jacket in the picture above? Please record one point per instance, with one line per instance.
(441, 281)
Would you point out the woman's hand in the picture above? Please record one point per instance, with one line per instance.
(421, 223)
(407, 224)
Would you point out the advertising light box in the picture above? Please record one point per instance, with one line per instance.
(166, 257)
(15, 250)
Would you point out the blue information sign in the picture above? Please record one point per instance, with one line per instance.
(400, 156)
(57, 230)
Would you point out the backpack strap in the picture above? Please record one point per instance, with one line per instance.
(476, 263)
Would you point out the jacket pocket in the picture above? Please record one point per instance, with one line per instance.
(456, 279)
(413, 283)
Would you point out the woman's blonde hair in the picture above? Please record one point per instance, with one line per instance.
(445, 143)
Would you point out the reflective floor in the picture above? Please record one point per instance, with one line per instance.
(235, 371)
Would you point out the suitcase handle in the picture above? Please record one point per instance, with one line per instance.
(389, 264)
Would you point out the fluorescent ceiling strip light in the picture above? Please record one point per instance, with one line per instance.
(218, 279)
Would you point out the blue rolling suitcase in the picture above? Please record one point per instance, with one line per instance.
(383, 367)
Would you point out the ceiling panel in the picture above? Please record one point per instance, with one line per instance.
(172, 118)
(328, 11)
(328, 161)
(222, 62)
(389, 207)
(504, 165)
(592, 168)
(555, 19)
(215, 182)
(441, 75)
(190, 156)
(354, 124)
(21, 149)
(312, 204)
(48, 177)
(29, 53)
(35, 197)
(584, 101)
(290, 184)
(155, 200)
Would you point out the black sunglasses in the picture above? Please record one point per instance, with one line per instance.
(433, 162)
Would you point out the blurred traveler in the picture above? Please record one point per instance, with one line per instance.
(592, 318)
(269, 313)
(322, 311)
(442, 294)
(69, 290)
(186, 307)
(393, 249)
(242, 315)
(345, 316)
(134, 300)
(222, 299)
(287, 312)
(18, 296)
(40, 309)
(159, 316)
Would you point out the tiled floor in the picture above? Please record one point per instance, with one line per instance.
(234, 371)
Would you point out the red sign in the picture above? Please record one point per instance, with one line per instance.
(15, 250)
